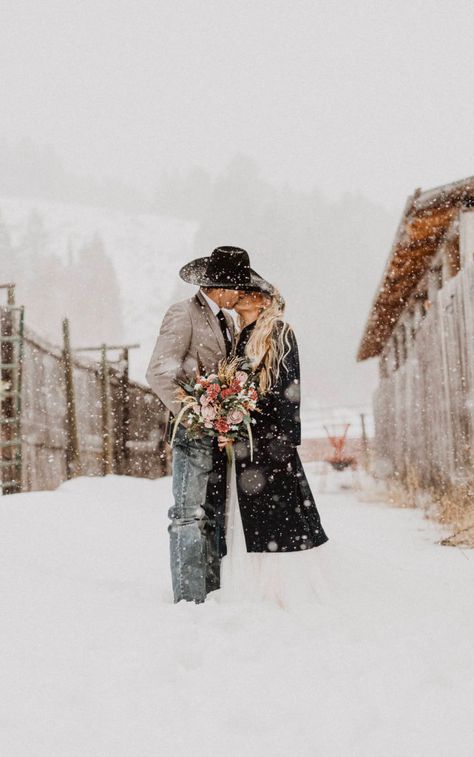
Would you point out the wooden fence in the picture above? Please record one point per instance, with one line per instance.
(76, 415)
(424, 409)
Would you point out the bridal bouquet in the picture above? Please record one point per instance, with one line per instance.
(219, 404)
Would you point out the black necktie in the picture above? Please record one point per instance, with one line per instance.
(223, 324)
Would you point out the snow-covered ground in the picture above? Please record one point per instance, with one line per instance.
(96, 660)
(316, 418)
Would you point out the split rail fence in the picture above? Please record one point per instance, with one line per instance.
(64, 414)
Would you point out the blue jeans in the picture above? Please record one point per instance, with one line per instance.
(192, 548)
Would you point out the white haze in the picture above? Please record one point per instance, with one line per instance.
(294, 129)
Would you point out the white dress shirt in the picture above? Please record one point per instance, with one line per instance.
(215, 309)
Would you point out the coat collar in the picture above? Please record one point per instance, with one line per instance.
(213, 305)
(211, 319)
(213, 323)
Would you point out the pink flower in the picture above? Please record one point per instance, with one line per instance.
(241, 377)
(235, 417)
(204, 400)
(208, 413)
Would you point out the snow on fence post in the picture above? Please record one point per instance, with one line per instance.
(73, 464)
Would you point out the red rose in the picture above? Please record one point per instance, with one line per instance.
(221, 426)
(212, 391)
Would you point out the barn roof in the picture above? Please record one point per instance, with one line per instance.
(425, 221)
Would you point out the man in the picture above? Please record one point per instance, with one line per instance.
(192, 331)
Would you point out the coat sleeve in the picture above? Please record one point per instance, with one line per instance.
(288, 391)
(171, 347)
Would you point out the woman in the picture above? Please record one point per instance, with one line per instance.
(272, 523)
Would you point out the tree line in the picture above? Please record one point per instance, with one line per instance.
(82, 285)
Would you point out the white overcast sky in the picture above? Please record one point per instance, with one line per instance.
(372, 95)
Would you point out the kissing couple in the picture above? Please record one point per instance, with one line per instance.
(247, 526)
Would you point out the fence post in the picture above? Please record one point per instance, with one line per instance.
(125, 402)
(73, 462)
(11, 357)
(6, 403)
(365, 443)
(105, 402)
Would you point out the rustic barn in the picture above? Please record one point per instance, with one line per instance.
(421, 329)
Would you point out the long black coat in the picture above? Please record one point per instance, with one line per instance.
(278, 510)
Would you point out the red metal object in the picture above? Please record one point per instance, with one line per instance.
(338, 442)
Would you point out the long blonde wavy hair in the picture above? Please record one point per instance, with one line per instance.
(268, 344)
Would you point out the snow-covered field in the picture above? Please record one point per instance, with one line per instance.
(96, 660)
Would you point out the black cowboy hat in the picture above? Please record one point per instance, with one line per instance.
(225, 268)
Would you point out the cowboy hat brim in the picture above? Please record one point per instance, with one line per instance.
(195, 273)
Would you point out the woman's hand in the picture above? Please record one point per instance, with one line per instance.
(223, 441)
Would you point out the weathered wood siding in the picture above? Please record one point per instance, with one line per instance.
(44, 420)
(424, 409)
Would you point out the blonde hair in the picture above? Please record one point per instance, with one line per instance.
(268, 344)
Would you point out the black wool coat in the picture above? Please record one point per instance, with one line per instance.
(277, 507)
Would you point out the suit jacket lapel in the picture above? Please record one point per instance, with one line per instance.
(212, 321)
(231, 325)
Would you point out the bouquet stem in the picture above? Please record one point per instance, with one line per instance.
(228, 451)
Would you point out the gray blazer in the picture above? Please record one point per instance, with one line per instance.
(189, 327)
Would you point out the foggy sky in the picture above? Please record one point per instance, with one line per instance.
(372, 96)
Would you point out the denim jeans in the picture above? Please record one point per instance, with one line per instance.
(193, 557)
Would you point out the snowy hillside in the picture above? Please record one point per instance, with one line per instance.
(147, 251)
(96, 660)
